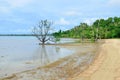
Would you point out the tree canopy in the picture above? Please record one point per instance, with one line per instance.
(100, 29)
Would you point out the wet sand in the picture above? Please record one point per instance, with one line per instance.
(107, 64)
(65, 68)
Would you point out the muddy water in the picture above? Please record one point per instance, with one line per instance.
(23, 53)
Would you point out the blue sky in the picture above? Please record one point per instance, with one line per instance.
(19, 16)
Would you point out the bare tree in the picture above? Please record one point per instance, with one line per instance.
(42, 31)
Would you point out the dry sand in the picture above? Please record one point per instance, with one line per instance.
(106, 66)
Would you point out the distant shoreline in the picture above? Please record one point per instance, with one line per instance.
(18, 35)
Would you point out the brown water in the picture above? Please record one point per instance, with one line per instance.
(23, 53)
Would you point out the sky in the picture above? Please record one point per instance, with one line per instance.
(20, 16)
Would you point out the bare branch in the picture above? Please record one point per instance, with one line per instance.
(41, 31)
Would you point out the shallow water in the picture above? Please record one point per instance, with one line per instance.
(23, 53)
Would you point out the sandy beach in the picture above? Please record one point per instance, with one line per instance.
(107, 64)
(104, 66)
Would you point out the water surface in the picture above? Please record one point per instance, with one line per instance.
(23, 53)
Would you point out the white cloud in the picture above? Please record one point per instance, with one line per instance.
(62, 21)
(7, 6)
(89, 21)
(72, 13)
(18, 3)
(114, 2)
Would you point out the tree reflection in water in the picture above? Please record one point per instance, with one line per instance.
(46, 54)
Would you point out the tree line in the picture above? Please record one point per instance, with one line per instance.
(100, 29)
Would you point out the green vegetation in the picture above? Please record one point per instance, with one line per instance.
(100, 29)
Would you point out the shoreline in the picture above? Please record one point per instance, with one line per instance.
(65, 64)
(85, 75)
(107, 64)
